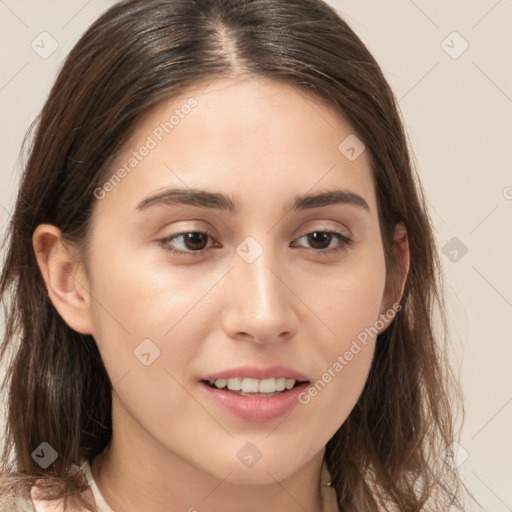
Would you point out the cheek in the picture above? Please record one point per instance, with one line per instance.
(142, 307)
(148, 332)
(333, 394)
(349, 305)
(348, 299)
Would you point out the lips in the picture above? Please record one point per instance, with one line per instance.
(255, 406)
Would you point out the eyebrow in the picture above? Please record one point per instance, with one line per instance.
(218, 201)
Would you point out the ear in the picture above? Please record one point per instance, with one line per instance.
(396, 277)
(64, 277)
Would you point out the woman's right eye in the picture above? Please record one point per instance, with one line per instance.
(192, 242)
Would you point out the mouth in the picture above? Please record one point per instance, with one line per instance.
(256, 388)
(255, 400)
(255, 393)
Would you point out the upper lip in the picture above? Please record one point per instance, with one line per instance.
(257, 372)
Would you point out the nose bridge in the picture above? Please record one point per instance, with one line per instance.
(260, 305)
(260, 285)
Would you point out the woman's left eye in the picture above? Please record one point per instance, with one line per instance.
(195, 242)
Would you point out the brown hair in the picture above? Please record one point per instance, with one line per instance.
(387, 453)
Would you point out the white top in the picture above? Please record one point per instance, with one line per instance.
(99, 500)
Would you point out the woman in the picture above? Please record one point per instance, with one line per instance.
(222, 275)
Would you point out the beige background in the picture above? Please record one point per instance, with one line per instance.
(457, 108)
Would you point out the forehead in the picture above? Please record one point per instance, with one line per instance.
(249, 137)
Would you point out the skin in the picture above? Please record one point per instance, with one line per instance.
(262, 143)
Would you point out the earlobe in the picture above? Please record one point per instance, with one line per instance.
(64, 278)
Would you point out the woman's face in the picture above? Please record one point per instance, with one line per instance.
(251, 288)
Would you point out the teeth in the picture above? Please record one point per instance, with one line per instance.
(267, 386)
(220, 383)
(248, 385)
(289, 383)
(234, 384)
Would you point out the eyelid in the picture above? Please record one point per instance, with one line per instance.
(321, 225)
(332, 231)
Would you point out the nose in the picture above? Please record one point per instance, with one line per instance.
(261, 304)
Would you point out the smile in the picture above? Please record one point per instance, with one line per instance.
(252, 386)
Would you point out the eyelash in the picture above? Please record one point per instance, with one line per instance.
(344, 239)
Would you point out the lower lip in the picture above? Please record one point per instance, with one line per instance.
(256, 409)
